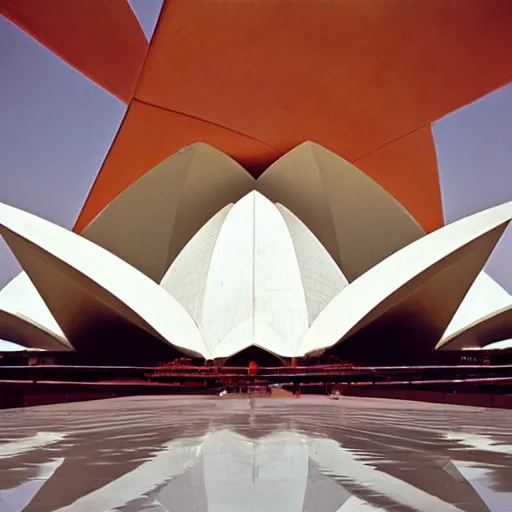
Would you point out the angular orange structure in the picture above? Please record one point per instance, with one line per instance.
(101, 39)
(356, 77)
(373, 95)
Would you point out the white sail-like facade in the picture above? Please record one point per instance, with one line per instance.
(402, 282)
(199, 257)
(86, 284)
(254, 275)
(483, 321)
(21, 298)
(484, 298)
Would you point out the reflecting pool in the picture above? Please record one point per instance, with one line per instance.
(268, 455)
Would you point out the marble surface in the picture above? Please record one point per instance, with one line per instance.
(271, 455)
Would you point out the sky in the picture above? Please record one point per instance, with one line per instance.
(474, 153)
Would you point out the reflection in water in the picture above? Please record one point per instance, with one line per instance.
(271, 455)
(481, 480)
(173, 459)
(480, 442)
(16, 499)
(342, 464)
(27, 444)
(269, 473)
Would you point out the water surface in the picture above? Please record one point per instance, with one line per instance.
(268, 455)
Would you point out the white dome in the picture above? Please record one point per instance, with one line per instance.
(254, 275)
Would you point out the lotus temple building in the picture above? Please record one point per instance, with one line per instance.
(227, 186)
(255, 255)
(198, 258)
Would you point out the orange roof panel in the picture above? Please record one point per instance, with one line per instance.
(255, 79)
(407, 169)
(147, 136)
(352, 75)
(100, 38)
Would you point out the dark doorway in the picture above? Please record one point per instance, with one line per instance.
(256, 354)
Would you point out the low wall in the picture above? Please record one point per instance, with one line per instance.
(472, 399)
(23, 396)
(17, 394)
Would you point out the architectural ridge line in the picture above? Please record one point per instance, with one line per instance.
(212, 123)
(329, 209)
(392, 141)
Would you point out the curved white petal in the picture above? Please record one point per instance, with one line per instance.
(499, 345)
(484, 297)
(150, 222)
(357, 221)
(321, 277)
(9, 346)
(375, 288)
(43, 245)
(27, 334)
(21, 298)
(254, 275)
(485, 332)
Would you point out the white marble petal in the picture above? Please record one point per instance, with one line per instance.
(254, 275)
(485, 297)
(375, 286)
(146, 299)
(21, 298)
